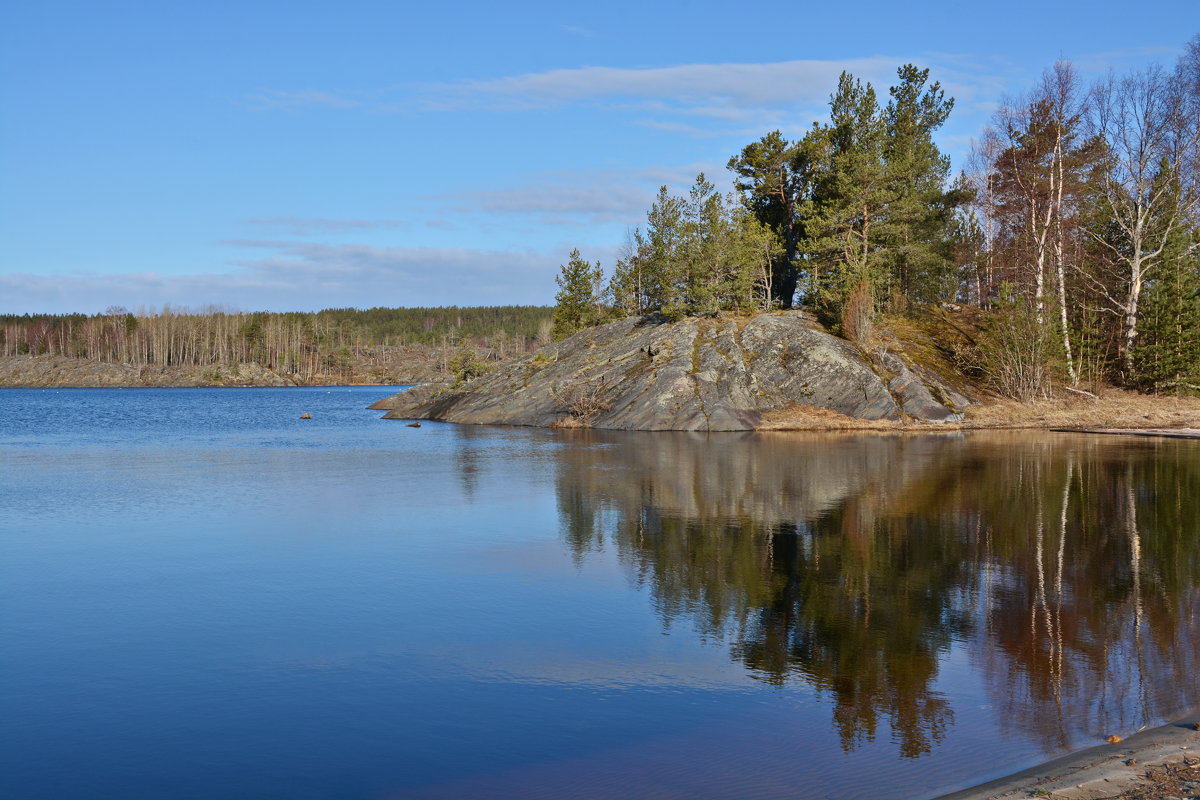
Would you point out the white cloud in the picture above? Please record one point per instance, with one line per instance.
(733, 92)
(586, 196)
(690, 87)
(304, 276)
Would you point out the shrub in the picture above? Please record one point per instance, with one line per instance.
(1017, 355)
(467, 365)
(585, 401)
(858, 314)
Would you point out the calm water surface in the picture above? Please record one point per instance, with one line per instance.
(203, 596)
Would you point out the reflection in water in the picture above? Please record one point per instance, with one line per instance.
(1065, 566)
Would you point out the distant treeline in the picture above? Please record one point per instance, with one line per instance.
(305, 344)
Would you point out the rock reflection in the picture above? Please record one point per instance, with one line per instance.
(1066, 567)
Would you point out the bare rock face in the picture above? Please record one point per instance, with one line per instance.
(695, 374)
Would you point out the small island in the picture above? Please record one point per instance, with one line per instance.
(850, 281)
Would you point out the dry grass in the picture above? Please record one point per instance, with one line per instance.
(811, 418)
(1114, 408)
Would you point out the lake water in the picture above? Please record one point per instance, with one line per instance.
(202, 595)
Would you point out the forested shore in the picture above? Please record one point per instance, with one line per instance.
(182, 347)
(1073, 231)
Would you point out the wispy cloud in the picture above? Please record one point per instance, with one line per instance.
(308, 226)
(729, 91)
(578, 30)
(279, 100)
(579, 197)
(690, 87)
(694, 100)
(302, 276)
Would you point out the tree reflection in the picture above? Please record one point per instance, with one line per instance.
(1066, 567)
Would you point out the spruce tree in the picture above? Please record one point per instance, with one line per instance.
(1167, 355)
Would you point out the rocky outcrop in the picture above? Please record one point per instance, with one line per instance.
(695, 374)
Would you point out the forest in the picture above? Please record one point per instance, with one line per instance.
(302, 344)
(1072, 232)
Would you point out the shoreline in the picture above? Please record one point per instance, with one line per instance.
(61, 372)
(1113, 411)
(388, 385)
(1096, 773)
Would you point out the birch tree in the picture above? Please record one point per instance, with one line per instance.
(1150, 135)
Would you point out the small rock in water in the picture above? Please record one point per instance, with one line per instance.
(306, 415)
(413, 425)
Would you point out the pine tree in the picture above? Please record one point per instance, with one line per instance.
(775, 178)
(663, 255)
(849, 199)
(580, 297)
(920, 212)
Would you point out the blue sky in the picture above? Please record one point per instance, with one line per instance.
(303, 155)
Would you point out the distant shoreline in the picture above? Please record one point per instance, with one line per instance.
(62, 372)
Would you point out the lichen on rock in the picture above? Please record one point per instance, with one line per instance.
(694, 374)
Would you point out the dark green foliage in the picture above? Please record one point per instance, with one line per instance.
(775, 178)
(920, 212)
(422, 325)
(580, 298)
(699, 255)
(860, 202)
(1167, 353)
(467, 364)
(880, 208)
(862, 199)
(379, 325)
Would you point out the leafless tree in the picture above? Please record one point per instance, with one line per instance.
(1145, 121)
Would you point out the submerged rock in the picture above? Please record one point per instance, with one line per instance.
(694, 374)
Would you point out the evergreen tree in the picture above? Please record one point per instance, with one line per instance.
(580, 296)
(1167, 355)
(699, 255)
(920, 212)
(775, 178)
(847, 213)
(662, 256)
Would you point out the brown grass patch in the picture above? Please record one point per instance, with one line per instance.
(797, 417)
(1114, 408)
